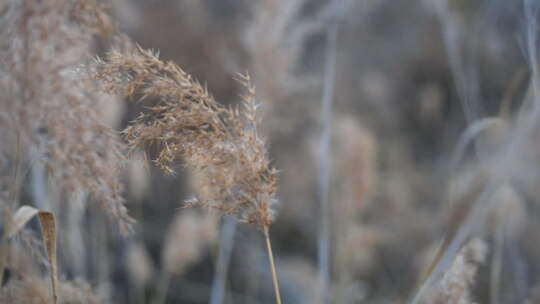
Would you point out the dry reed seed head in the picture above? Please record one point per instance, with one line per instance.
(356, 160)
(358, 250)
(92, 14)
(45, 43)
(456, 284)
(189, 235)
(221, 145)
(274, 61)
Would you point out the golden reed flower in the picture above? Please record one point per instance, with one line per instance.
(221, 146)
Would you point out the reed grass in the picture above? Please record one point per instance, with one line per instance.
(52, 105)
(59, 153)
(221, 146)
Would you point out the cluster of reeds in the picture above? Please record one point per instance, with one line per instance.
(52, 117)
(56, 146)
(50, 106)
(375, 193)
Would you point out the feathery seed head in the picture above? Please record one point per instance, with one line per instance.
(221, 145)
(52, 106)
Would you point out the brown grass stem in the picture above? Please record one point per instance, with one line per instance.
(272, 266)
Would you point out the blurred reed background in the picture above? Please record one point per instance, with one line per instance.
(405, 134)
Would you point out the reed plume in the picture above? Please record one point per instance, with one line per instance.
(221, 146)
(456, 285)
(52, 105)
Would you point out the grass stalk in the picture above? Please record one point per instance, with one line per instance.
(226, 244)
(327, 104)
(272, 266)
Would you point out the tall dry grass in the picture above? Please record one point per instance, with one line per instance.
(220, 145)
(49, 104)
(382, 156)
(57, 150)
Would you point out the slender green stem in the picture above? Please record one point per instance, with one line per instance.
(272, 266)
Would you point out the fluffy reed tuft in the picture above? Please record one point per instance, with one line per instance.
(220, 145)
(51, 105)
(455, 287)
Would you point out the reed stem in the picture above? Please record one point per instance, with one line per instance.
(272, 266)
